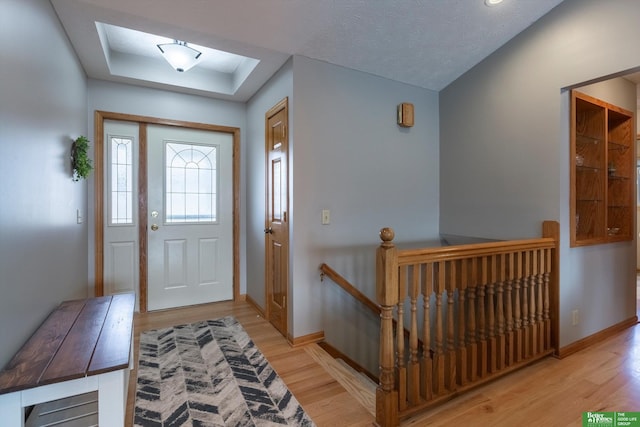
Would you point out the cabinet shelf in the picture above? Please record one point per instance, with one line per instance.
(618, 178)
(586, 139)
(588, 169)
(618, 146)
(601, 141)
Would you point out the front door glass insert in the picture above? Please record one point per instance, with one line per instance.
(191, 183)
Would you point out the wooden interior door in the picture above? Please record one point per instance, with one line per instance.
(277, 221)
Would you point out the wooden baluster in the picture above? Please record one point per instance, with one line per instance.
(482, 332)
(545, 302)
(501, 350)
(387, 297)
(551, 229)
(438, 361)
(517, 312)
(400, 357)
(450, 364)
(493, 343)
(509, 309)
(461, 367)
(472, 345)
(533, 280)
(539, 304)
(426, 387)
(414, 366)
(526, 331)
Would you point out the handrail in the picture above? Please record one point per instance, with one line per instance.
(352, 290)
(410, 256)
(359, 296)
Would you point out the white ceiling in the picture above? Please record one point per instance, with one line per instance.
(426, 43)
(128, 41)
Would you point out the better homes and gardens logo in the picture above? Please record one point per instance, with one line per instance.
(610, 419)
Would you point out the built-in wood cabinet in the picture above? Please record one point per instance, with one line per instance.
(603, 171)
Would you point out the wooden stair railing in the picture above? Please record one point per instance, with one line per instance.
(487, 309)
(352, 290)
(359, 296)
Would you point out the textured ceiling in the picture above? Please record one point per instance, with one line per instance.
(426, 43)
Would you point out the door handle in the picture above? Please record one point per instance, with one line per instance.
(154, 227)
(268, 230)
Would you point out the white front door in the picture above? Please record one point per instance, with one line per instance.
(190, 223)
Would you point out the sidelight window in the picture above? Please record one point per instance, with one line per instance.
(120, 180)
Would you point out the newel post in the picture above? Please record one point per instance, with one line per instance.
(387, 297)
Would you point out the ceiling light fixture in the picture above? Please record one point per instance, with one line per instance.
(492, 2)
(179, 55)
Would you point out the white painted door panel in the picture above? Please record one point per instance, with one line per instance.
(190, 255)
(121, 259)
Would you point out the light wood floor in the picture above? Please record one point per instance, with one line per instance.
(323, 398)
(604, 377)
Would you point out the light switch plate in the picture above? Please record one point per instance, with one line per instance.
(326, 217)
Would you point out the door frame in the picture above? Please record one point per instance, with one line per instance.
(281, 105)
(143, 121)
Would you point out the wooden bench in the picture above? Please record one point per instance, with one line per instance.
(83, 346)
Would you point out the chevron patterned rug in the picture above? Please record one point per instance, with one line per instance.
(210, 373)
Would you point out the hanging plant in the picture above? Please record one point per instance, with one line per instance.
(80, 161)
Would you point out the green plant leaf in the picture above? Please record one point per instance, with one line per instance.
(80, 160)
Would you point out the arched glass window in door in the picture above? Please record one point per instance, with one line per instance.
(191, 183)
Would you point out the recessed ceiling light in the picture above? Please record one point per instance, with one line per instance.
(492, 2)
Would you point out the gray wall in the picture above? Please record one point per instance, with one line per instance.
(505, 149)
(127, 99)
(350, 156)
(43, 256)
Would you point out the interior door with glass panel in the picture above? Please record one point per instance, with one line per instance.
(190, 223)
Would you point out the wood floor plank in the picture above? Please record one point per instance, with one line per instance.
(364, 394)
